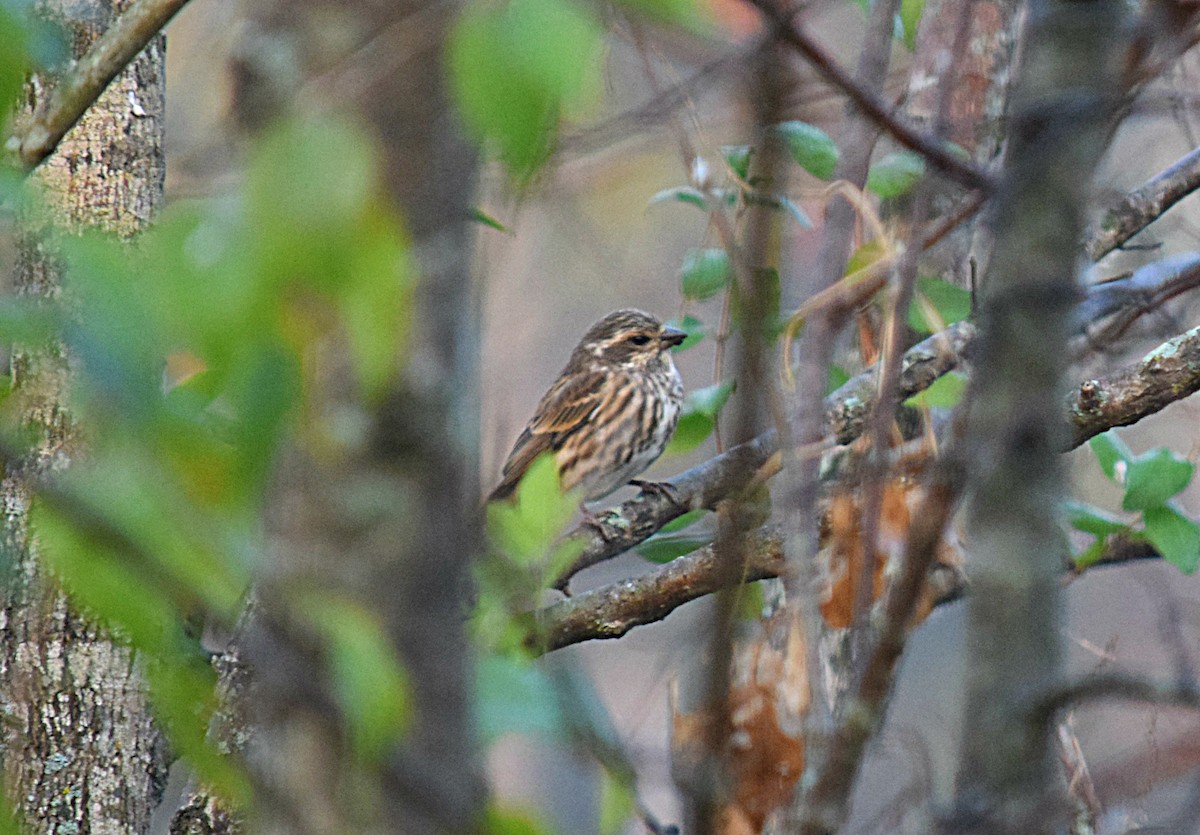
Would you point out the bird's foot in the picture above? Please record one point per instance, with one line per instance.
(662, 489)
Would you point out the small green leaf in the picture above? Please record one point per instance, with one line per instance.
(864, 256)
(480, 216)
(1090, 555)
(1154, 477)
(616, 803)
(694, 329)
(1110, 451)
(681, 194)
(370, 682)
(509, 821)
(1093, 520)
(1175, 536)
(710, 399)
(945, 392)
(692, 430)
(705, 272)
(909, 19)
(686, 14)
(838, 377)
(737, 157)
(895, 174)
(799, 215)
(952, 303)
(681, 522)
(662, 548)
(526, 528)
(810, 147)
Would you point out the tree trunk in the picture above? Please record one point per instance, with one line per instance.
(80, 751)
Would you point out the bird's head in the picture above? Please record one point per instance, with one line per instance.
(630, 339)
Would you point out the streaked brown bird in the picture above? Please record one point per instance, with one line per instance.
(611, 411)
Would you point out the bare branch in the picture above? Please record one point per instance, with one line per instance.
(1144, 205)
(36, 139)
(938, 154)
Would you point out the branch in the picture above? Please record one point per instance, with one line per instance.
(1144, 205)
(938, 154)
(1114, 686)
(35, 139)
(1168, 373)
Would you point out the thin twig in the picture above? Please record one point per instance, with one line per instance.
(1145, 204)
(35, 139)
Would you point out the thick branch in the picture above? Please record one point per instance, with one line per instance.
(1168, 373)
(88, 77)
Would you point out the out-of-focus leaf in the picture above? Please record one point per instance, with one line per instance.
(838, 377)
(945, 392)
(1110, 451)
(952, 303)
(514, 66)
(810, 147)
(370, 682)
(516, 696)
(909, 19)
(690, 325)
(525, 528)
(737, 157)
(710, 399)
(895, 174)
(693, 429)
(1175, 536)
(1154, 477)
(681, 194)
(705, 272)
(509, 821)
(864, 256)
(1093, 520)
(662, 548)
(616, 803)
(15, 59)
(480, 216)
(681, 522)
(799, 215)
(687, 14)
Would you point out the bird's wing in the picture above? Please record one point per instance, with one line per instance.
(563, 410)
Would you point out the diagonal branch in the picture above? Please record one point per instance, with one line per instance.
(36, 138)
(939, 154)
(1144, 205)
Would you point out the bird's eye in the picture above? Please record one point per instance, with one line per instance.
(639, 339)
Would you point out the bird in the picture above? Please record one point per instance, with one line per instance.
(610, 413)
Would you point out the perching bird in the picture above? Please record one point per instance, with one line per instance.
(611, 411)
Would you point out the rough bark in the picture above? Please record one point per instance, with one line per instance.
(1060, 122)
(79, 748)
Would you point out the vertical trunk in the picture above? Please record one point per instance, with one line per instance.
(1060, 120)
(79, 749)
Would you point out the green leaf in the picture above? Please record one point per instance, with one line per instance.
(909, 19)
(1093, 520)
(616, 803)
(1110, 451)
(810, 147)
(1090, 555)
(896, 174)
(710, 399)
(526, 528)
(864, 256)
(737, 157)
(692, 430)
(509, 821)
(681, 194)
(681, 522)
(1154, 477)
(1175, 536)
(480, 216)
(662, 548)
(15, 59)
(952, 303)
(370, 683)
(516, 696)
(838, 377)
(515, 66)
(694, 329)
(945, 393)
(705, 272)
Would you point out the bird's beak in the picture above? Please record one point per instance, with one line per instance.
(671, 336)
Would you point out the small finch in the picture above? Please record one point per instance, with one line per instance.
(611, 411)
